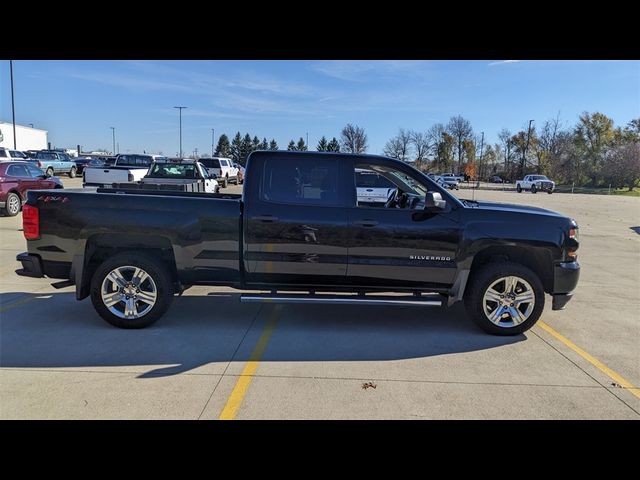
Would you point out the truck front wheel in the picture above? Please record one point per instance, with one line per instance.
(504, 298)
(131, 290)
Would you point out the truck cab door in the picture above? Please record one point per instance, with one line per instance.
(295, 221)
(401, 245)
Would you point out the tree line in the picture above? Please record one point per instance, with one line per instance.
(593, 152)
(353, 139)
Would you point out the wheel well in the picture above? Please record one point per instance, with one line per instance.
(538, 260)
(16, 192)
(101, 247)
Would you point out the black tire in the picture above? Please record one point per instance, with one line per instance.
(549, 192)
(241, 181)
(156, 270)
(72, 172)
(480, 282)
(534, 189)
(50, 171)
(225, 180)
(519, 189)
(13, 204)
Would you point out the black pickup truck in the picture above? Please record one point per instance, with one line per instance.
(297, 234)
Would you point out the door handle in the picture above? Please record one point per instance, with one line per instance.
(365, 223)
(265, 218)
(106, 171)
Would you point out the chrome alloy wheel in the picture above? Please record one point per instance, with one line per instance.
(129, 292)
(508, 301)
(14, 204)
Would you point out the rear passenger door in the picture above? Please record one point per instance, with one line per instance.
(295, 221)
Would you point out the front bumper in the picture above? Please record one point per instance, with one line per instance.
(31, 265)
(565, 280)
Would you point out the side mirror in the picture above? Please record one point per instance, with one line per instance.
(434, 201)
(213, 175)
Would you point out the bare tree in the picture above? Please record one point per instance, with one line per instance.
(353, 138)
(460, 129)
(623, 165)
(399, 146)
(421, 144)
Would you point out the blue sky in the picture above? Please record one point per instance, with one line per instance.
(77, 101)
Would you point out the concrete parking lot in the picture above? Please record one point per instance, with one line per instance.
(211, 357)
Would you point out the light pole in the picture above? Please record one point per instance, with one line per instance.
(113, 132)
(213, 142)
(13, 105)
(180, 110)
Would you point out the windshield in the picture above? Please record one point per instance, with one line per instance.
(172, 170)
(417, 188)
(538, 177)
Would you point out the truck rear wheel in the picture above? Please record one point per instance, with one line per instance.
(131, 290)
(534, 189)
(504, 298)
(225, 180)
(72, 172)
(519, 189)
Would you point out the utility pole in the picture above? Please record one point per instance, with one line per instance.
(195, 152)
(13, 106)
(113, 132)
(524, 152)
(213, 142)
(480, 162)
(180, 109)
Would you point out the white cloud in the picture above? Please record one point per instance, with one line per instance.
(357, 70)
(502, 62)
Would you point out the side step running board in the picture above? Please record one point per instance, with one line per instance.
(414, 301)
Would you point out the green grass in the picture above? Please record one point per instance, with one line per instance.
(598, 191)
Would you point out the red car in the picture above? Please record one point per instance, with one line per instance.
(18, 177)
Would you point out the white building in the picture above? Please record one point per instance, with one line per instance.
(27, 138)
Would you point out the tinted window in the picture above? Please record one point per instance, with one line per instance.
(210, 162)
(134, 160)
(372, 180)
(34, 171)
(45, 156)
(17, 171)
(3, 153)
(16, 154)
(305, 181)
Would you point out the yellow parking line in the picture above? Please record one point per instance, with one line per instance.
(17, 303)
(242, 385)
(616, 377)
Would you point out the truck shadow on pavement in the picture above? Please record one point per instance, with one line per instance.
(54, 331)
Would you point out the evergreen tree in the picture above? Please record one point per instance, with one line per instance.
(246, 147)
(256, 143)
(224, 147)
(292, 145)
(264, 145)
(236, 147)
(322, 145)
(301, 145)
(333, 145)
(273, 145)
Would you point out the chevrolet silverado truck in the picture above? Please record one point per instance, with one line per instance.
(535, 183)
(299, 234)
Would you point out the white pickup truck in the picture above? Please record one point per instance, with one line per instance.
(535, 183)
(126, 168)
(223, 168)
